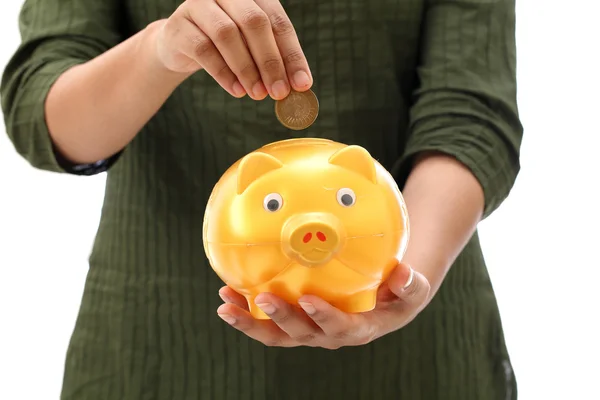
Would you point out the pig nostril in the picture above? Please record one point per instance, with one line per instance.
(321, 236)
(307, 237)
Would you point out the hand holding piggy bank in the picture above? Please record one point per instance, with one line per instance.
(306, 216)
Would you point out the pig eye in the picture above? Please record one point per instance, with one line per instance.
(346, 197)
(272, 202)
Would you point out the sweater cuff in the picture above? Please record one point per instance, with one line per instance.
(28, 126)
(482, 151)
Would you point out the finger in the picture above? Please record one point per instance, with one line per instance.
(411, 287)
(292, 320)
(195, 45)
(256, 28)
(294, 60)
(349, 329)
(264, 331)
(227, 38)
(231, 296)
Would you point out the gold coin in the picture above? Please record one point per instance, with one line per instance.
(298, 110)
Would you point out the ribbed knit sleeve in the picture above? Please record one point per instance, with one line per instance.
(56, 35)
(466, 104)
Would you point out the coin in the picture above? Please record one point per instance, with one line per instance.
(298, 110)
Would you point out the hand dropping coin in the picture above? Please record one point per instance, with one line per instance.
(298, 110)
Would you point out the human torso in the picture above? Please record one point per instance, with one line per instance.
(151, 298)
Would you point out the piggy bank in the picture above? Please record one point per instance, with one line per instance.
(306, 216)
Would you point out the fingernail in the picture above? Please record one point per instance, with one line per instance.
(228, 318)
(267, 308)
(308, 308)
(238, 89)
(411, 277)
(279, 89)
(259, 90)
(301, 79)
(225, 298)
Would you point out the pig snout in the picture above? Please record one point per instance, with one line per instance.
(312, 239)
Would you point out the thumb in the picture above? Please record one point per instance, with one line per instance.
(411, 287)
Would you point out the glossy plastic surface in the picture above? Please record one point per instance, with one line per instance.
(306, 216)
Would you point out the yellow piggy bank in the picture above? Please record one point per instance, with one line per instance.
(306, 216)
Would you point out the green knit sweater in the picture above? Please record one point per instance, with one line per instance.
(395, 76)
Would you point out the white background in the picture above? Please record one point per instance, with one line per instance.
(541, 245)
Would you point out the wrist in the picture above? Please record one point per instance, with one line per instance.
(444, 203)
(149, 61)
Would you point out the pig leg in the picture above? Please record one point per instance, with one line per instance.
(359, 302)
(256, 312)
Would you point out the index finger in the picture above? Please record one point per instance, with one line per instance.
(287, 41)
(264, 331)
(349, 329)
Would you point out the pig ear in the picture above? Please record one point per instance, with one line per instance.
(253, 166)
(356, 159)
